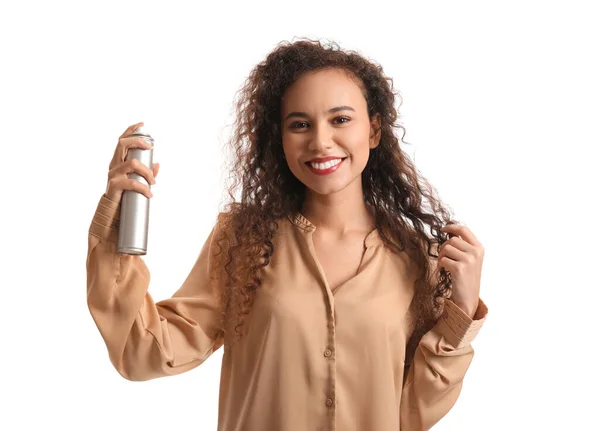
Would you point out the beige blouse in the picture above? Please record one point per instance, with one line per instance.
(310, 359)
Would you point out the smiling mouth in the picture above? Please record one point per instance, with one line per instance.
(326, 167)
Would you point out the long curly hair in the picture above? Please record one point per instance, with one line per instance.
(401, 201)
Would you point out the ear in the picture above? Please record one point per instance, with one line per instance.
(375, 132)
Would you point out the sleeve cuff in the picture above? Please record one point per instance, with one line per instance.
(105, 223)
(457, 327)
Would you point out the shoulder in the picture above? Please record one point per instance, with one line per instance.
(230, 224)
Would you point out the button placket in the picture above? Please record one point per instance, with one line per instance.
(328, 352)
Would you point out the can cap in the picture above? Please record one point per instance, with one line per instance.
(140, 131)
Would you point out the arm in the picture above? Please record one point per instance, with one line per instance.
(440, 363)
(144, 339)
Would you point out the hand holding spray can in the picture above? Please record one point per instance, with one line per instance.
(135, 207)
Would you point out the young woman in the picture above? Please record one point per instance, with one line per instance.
(336, 309)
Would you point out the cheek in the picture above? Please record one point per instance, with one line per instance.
(359, 146)
(290, 157)
(293, 146)
(287, 153)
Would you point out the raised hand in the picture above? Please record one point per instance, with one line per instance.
(118, 181)
(462, 257)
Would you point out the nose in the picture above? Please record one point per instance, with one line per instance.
(321, 139)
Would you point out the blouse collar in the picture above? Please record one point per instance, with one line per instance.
(372, 239)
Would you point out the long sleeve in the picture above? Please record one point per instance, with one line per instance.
(435, 376)
(146, 340)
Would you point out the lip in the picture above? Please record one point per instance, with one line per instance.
(328, 170)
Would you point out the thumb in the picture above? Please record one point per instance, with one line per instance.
(155, 167)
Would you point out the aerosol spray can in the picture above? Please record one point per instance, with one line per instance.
(135, 207)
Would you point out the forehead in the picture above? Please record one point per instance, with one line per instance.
(321, 90)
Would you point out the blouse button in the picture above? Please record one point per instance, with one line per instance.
(329, 402)
(327, 353)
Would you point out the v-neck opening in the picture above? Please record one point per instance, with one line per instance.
(368, 244)
(372, 240)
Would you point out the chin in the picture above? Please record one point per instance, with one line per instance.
(324, 191)
(327, 189)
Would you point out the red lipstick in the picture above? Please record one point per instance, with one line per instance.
(327, 170)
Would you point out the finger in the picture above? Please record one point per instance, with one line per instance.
(447, 264)
(462, 231)
(124, 183)
(125, 144)
(136, 186)
(135, 166)
(132, 166)
(134, 142)
(459, 243)
(156, 167)
(131, 129)
(451, 252)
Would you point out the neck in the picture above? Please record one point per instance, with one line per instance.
(338, 213)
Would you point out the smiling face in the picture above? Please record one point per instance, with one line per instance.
(324, 116)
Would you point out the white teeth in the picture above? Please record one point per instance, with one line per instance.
(326, 165)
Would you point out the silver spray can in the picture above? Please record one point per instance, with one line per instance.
(135, 207)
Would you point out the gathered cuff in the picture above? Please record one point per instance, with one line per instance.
(457, 327)
(105, 223)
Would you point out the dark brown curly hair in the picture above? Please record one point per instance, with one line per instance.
(402, 203)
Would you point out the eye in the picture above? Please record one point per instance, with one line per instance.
(298, 124)
(342, 118)
(295, 125)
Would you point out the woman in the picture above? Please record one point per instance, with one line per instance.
(321, 283)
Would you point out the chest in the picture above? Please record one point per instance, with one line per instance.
(340, 260)
(371, 290)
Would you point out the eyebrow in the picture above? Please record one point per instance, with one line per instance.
(331, 111)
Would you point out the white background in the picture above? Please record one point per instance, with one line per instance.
(501, 106)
